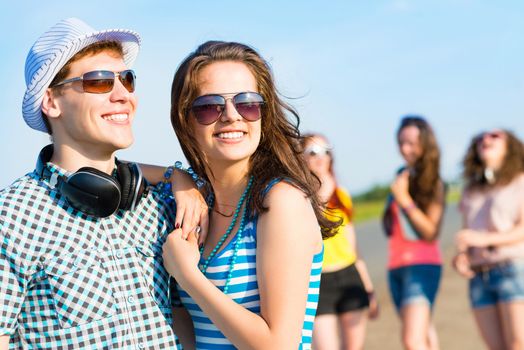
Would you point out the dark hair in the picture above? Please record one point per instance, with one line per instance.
(91, 50)
(278, 155)
(424, 182)
(512, 165)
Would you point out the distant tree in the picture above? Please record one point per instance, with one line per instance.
(377, 192)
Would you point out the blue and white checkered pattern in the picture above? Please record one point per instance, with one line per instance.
(72, 281)
(54, 49)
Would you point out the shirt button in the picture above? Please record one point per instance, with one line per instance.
(141, 346)
(131, 299)
(119, 255)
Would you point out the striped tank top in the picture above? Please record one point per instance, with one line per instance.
(243, 289)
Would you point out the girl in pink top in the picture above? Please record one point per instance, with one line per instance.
(412, 222)
(491, 245)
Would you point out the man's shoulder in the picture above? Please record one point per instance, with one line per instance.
(162, 204)
(22, 187)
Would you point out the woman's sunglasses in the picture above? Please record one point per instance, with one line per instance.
(207, 109)
(317, 150)
(103, 81)
(490, 135)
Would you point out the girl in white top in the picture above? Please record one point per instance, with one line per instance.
(491, 244)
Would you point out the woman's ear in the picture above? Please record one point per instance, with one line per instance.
(50, 105)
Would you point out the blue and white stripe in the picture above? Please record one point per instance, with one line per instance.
(243, 289)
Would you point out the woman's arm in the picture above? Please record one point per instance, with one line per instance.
(4, 342)
(191, 208)
(426, 224)
(362, 270)
(460, 261)
(287, 238)
(470, 238)
(359, 264)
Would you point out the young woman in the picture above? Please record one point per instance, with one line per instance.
(346, 291)
(254, 282)
(491, 244)
(412, 221)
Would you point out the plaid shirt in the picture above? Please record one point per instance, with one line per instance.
(72, 281)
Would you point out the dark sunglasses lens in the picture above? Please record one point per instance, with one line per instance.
(248, 105)
(128, 79)
(208, 108)
(98, 82)
(488, 135)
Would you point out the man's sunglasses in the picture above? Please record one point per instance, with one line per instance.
(207, 109)
(103, 81)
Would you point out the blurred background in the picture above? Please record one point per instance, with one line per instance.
(352, 69)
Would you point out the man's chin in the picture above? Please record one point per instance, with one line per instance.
(123, 142)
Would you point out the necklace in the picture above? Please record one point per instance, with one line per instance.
(220, 243)
(224, 215)
(236, 247)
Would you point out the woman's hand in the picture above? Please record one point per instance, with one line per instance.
(374, 309)
(400, 189)
(461, 264)
(469, 238)
(191, 207)
(181, 255)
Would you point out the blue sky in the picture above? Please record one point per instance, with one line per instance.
(351, 68)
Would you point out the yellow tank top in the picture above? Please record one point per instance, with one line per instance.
(337, 249)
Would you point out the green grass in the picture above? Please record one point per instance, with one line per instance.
(367, 210)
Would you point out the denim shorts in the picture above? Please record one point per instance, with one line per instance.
(500, 284)
(414, 284)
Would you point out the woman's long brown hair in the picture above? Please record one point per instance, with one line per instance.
(424, 182)
(279, 153)
(512, 165)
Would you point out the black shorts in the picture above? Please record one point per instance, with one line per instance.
(341, 291)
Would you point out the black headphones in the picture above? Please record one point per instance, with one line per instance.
(94, 192)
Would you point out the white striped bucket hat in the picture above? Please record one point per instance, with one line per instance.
(54, 49)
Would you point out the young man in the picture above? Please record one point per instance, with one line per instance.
(80, 249)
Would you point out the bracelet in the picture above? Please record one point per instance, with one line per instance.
(408, 207)
(199, 182)
(165, 187)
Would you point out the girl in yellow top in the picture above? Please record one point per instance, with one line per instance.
(346, 291)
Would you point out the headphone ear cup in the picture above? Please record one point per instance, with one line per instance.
(127, 184)
(92, 192)
(131, 183)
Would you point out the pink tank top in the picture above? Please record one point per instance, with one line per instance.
(404, 246)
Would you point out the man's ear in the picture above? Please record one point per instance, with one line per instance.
(50, 105)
